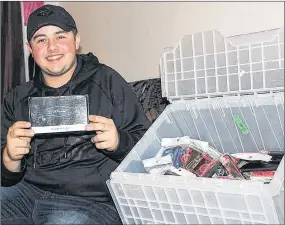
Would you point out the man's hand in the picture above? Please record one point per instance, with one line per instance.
(107, 136)
(18, 144)
(18, 140)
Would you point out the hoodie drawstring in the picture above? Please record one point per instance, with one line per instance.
(35, 158)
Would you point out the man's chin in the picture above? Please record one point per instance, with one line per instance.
(55, 73)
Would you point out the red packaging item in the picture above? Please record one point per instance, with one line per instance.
(231, 166)
(203, 166)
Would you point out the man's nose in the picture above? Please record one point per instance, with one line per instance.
(52, 46)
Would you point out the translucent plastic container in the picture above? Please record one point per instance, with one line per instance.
(143, 198)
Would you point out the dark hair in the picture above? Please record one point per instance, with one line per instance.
(33, 67)
(74, 31)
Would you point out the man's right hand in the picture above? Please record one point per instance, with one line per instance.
(18, 144)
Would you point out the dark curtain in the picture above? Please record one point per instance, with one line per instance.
(12, 51)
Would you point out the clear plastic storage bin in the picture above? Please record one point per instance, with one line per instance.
(143, 198)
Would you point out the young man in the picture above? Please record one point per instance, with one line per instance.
(61, 178)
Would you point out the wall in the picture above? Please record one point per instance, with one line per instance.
(130, 36)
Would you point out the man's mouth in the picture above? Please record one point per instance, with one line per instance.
(54, 57)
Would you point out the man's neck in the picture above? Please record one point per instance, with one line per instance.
(58, 81)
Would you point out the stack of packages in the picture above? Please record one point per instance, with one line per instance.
(187, 157)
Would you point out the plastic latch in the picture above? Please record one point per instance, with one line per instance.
(240, 124)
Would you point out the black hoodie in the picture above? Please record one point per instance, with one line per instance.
(69, 163)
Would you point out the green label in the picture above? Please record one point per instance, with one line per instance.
(240, 124)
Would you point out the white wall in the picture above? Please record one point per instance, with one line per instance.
(130, 36)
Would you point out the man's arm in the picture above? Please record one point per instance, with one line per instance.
(129, 117)
(14, 145)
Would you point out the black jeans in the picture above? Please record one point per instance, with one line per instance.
(27, 204)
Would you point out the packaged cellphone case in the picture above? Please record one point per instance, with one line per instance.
(58, 114)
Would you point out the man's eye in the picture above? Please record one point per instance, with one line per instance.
(41, 41)
(61, 37)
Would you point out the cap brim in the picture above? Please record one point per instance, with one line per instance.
(57, 24)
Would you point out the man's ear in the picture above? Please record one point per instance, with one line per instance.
(77, 41)
(30, 48)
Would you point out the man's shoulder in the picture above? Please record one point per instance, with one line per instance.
(96, 70)
(21, 90)
(27, 86)
(107, 74)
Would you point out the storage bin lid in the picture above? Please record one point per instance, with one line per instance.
(208, 64)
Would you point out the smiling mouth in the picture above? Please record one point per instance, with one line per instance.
(54, 57)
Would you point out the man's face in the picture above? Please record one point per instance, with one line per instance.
(54, 50)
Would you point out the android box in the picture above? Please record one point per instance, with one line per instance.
(58, 114)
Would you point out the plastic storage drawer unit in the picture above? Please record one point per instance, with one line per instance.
(248, 82)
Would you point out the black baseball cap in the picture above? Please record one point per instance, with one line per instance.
(49, 15)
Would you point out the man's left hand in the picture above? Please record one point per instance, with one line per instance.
(107, 136)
